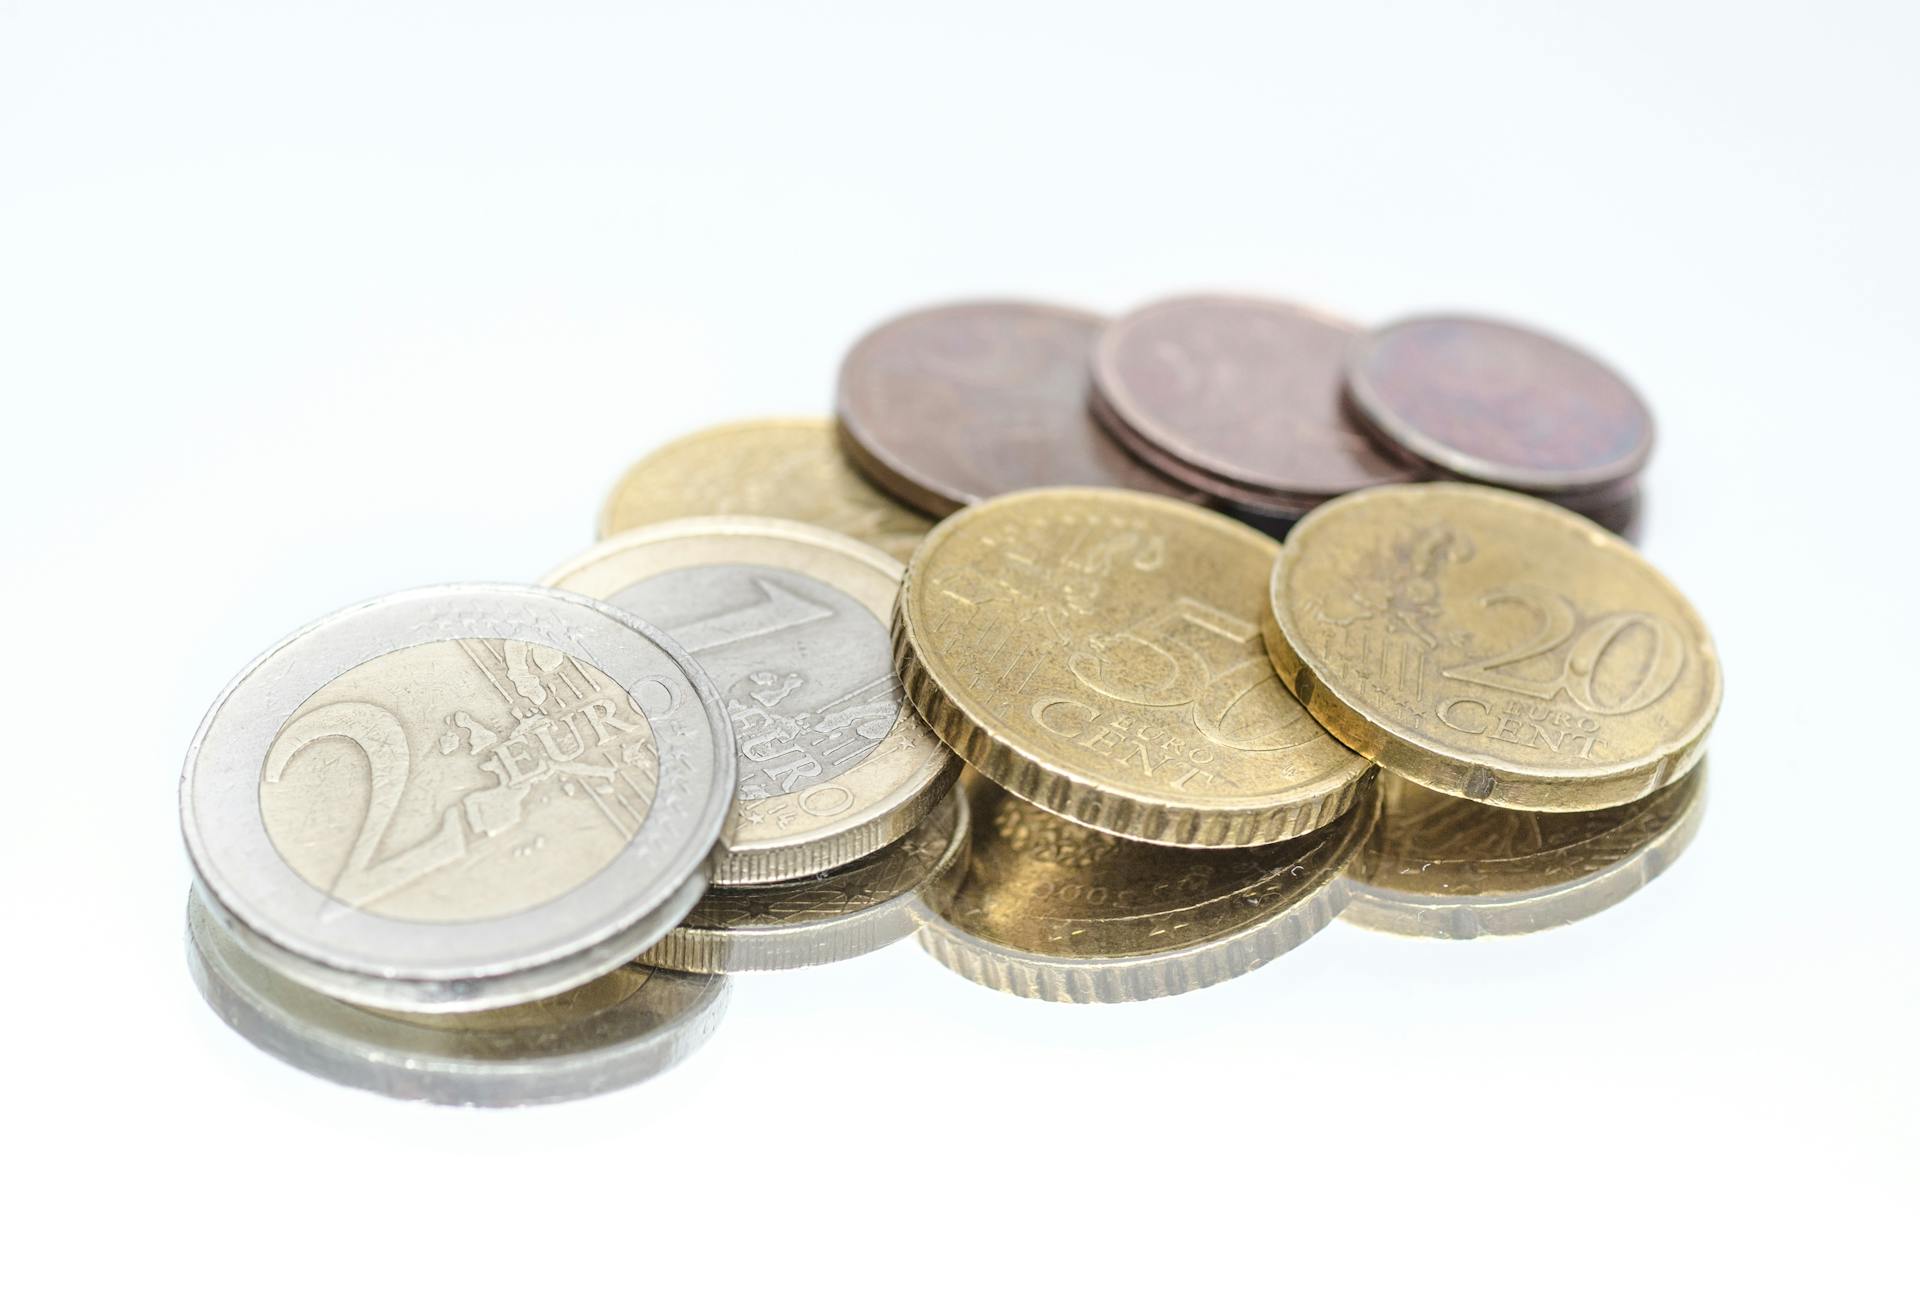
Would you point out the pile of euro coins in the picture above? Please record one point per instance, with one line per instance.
(1010, 657)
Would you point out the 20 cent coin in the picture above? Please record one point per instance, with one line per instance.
(1494, 647)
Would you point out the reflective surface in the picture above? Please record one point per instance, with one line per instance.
(844, 913)
(1049, 909)
(1435, 866)
(611, 1032)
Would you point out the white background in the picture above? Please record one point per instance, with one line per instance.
(303, 304)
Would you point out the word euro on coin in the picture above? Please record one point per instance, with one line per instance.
(1098, 652)
(1239, 398)
(1504, 405)
(1049, 909)
(458, 798)
(951, 405)
(610, 1032)
(778, 468)
(1436, 866)
(1492, 647)
(832, 917)
(790, 621)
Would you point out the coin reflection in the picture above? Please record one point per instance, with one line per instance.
(1049, 909)
(1435, 866)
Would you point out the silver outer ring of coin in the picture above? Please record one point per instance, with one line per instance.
(799, 856)
(1376, 415)
(1413, 916)
(373, 960)
(821, 940)
(361, 1048)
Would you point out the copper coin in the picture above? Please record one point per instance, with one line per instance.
(950, 405)
(1240, 391)
(1266, 509)
(1500, 404)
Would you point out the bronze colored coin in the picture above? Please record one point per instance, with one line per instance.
(832, 917)
(1500, 404)
(1441, 867)
(1271, 512)
(954, 404)
(775, 468)
(1099, 653)
(1244, 392)
(1492, 646)
(1049, 909)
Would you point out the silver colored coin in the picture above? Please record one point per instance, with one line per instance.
(459, 798)
(833, 917)
(611, 1032)
(790, 621)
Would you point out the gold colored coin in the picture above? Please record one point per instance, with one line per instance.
(1048, 909)
(1098, 652)
(779, 468)
(1493, 647)
(790, 622)
(832, 917)
(1436, 866)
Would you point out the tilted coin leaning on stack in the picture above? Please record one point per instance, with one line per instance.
(1231, 619)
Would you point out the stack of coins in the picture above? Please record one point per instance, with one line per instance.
(1259, 408)
(993, 658)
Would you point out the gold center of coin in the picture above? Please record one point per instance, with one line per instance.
(458, 780)
(1116, 638)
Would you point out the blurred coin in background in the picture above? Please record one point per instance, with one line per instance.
(1501, 404)
(778, 468)
(1239, 398)
(954, 404)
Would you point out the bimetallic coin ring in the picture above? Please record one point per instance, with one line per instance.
(790, 622)
(458, 798)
